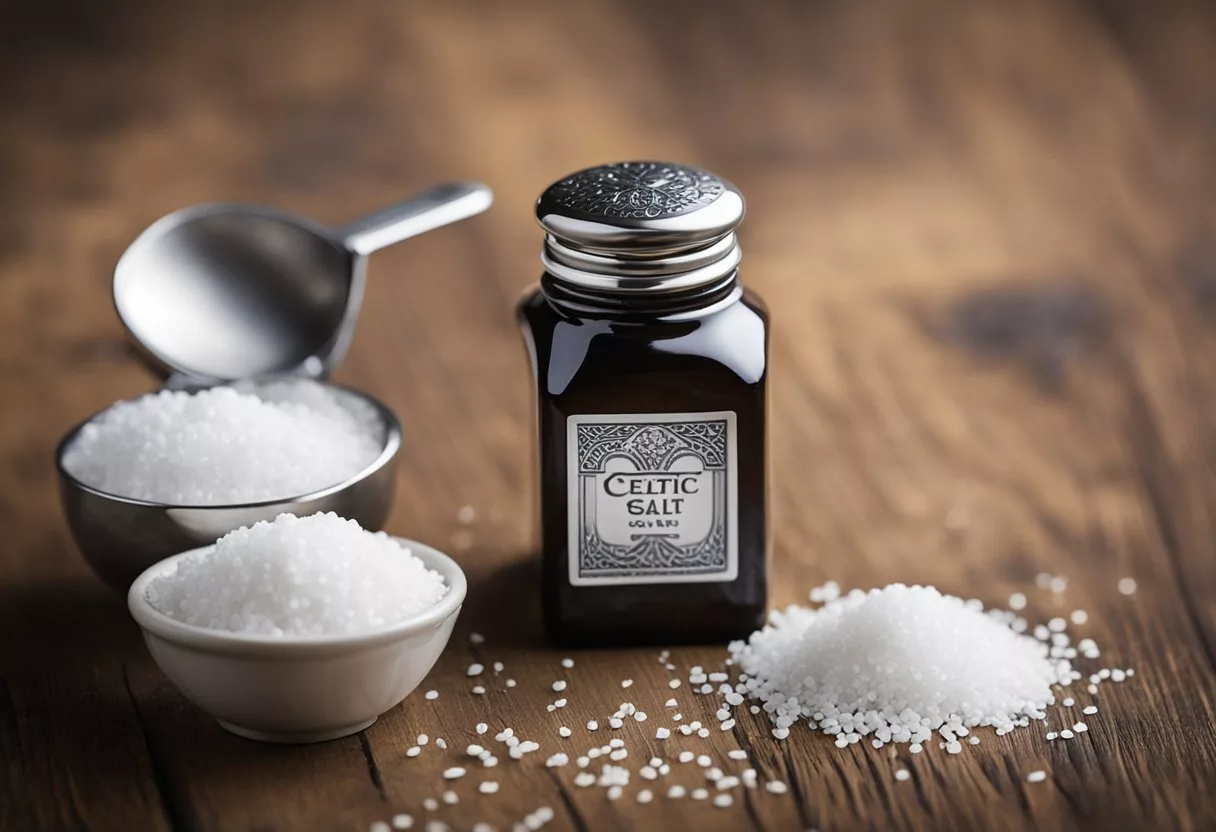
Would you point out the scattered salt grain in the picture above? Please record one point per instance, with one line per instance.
(478, 690)
(1066, 734)
(440, 742)
(662, 733)
(584, 779)
(1127, 586)
(430, 804)
(1017, 601)
(626, 683)
(676, 792)
(432, 694)
(474, 669)
(1079, 617)
(673, 684)
(776, 787)
(686, 757)
(413, 751)
(567, 663)
(737, 754)
(615, 722)
(564, 731)
(510, 683)
(592, 725)
(699, 794)
(557, 761)
(487, 787)
(645, 796)
(670, 703)
(1069, 702)
(379, 826)
(451, 798)
(902, 774)
(1036, 777)
(403, 821)
(453, 773)
(1089, 710)
(723, 800)
(559, 685)
(225, 445)
(293, 577)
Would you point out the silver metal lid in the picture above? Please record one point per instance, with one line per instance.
(640, 229)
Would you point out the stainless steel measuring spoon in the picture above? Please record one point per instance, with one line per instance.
(221, 292)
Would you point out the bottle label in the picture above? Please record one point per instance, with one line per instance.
(653, 498)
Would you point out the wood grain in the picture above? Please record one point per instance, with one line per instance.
(987, 234)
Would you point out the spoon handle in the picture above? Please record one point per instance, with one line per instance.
(433, 208)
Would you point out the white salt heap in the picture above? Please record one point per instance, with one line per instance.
(299, 576)
(226, 445)
(899, 663)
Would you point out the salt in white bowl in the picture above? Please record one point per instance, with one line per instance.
(299, 689)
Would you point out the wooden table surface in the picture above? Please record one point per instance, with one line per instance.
(987, 233)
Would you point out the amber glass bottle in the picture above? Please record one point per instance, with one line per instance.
(651, 369)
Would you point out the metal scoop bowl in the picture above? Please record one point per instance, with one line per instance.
(120, 537)
(224, 292)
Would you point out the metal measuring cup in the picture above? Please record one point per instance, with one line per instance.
(222, 292)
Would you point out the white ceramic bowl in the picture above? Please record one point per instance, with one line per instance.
(299, 689)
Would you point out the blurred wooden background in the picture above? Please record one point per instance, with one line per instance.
(985, 230)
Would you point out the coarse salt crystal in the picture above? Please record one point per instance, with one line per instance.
(1127, 586)
(1036, 777)
(225, 445)
(487, 787)
(432, 694)
(863, 657)
(902, 774)
(290, 578)
(776, 787)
